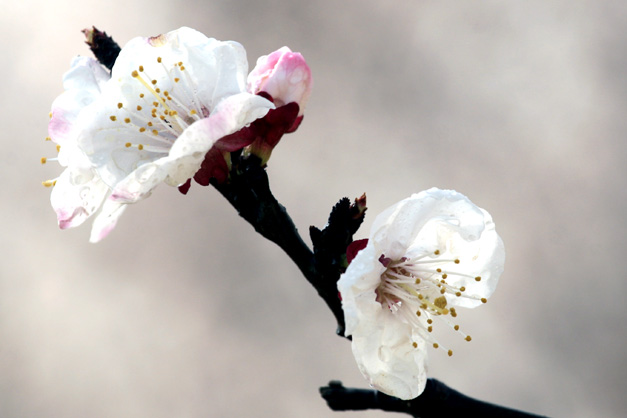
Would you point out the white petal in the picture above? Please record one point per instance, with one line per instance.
(78, 194)
(106, 220)
(384, 352)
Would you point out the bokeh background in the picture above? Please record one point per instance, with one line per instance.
(183, 311)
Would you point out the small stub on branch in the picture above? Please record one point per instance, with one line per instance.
(105, 49)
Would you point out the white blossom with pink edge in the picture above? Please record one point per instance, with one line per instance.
(426, 256)
(168, 101)
(78, 192)
(285, 76)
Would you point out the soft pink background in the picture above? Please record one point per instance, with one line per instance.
(184, 311)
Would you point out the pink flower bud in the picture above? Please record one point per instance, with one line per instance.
(285, 76)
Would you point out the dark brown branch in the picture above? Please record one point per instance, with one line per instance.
(248, 190)
(437, 401)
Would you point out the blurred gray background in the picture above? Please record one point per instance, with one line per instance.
(184, 311)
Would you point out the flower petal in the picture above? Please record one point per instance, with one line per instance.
(284, 75)
(106, 220)
(78, 193)
(386, 356)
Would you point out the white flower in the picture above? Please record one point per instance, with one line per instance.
(168, 101)
(426, 256)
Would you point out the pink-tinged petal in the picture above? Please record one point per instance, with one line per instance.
(76, 196)
(285, 76)
(139, 184)
(106, 220)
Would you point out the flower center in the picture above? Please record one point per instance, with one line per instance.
(417, 290)
(166, 105)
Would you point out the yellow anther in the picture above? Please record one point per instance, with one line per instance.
(439, 270)
(457, 261)
(139, 108)
(450, 353)
(159, 59)
(442, 291)
(193, 112)
(135, 74)
(430, 329)
(155, 132)
(127, 120)
(180, 63)
(142, 129)
(436, 252)
(49, 183)
(429, 321)
(458, 294)
(414, 344)
(418, 281)
(435, 345)
(484, 300)
(141, 95)
(420, 296)
(440, 302)
(141, 68)
(140, 147)
(444, 276)
(120, 105)
(462, 289)
(128, 145)
(113, 118)
(149, 123)
(468, 338)
(456, 327)
(418, 313)
(182, 68)
(154, 82)
(478, 278)
(165, 93)
(176, 80)
(50, 115)
(158, 90)
(58, 148)
(48, 138)
(43, 160)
